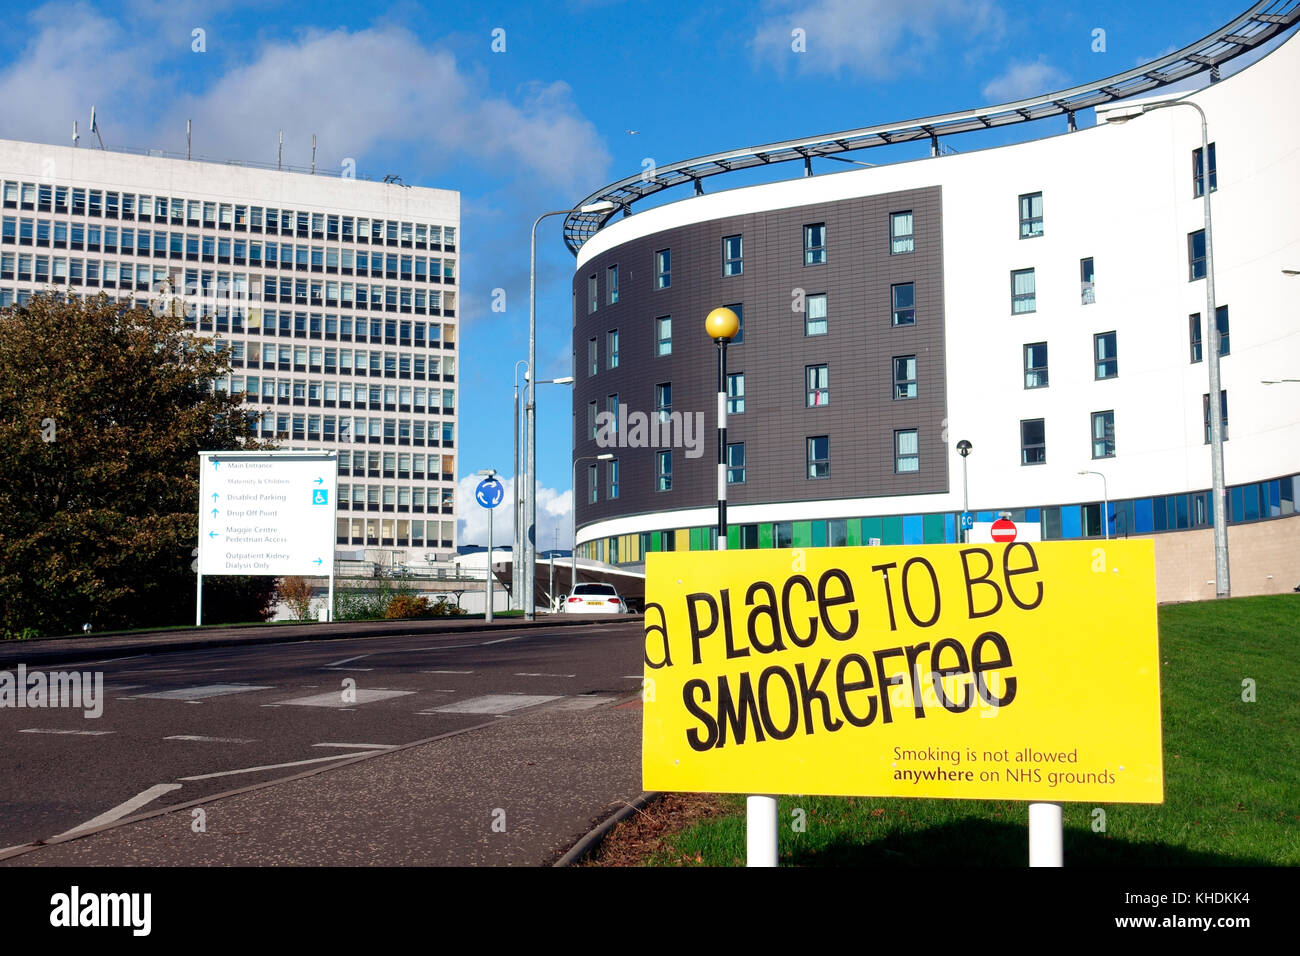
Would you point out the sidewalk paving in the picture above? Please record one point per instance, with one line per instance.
(518, 792)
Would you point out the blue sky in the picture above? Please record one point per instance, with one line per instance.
(417, 90)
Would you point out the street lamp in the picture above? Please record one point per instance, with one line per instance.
(516, 599)
(607, 456)
(1222, 584)
(1105, 502)
(530, 425)
(964, 448)
(489, 474)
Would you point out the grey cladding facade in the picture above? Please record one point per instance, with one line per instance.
(858, 412)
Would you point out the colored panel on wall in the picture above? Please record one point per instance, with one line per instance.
(683, 540)
(933, 529)
(893, 530)
(872, 528)
(818, 534)
(1071, 522)
(949, 529)
(913, 529)
(765, 535)
(802, 532)
(733, 537)
(854, 532)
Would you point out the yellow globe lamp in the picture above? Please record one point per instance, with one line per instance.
(722, 324)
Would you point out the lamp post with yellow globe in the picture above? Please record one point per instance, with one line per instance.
(722, 325)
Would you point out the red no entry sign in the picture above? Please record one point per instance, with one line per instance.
(1003, 530)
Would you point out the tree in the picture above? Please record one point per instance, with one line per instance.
(103, 411)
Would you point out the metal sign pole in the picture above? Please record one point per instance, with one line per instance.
(1046, 835)
(489, 568)
(198, 602)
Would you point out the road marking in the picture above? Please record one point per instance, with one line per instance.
(83, 733)
(446, 672)
(360, 746)
(528, 674)
(349, 668)
(496, 704)
(198, 693)
(212, 740)
(346, 660)
(278, 766)
(334, 698)
(124, 809)
(502, 640)
(633, 677)
(582, 702)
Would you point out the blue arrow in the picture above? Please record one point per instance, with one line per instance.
(212, 534)
(215, 463)
(317, 561)
(214, 512)
(320, 481)
(214, 497)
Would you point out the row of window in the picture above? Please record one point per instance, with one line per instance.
(345, 328)
(402, 465)
(195, 248)
(395, 498)
(1033, 433)
(395, 532)
(1256, 501)
(109, 204)
(359, 430)
(299, 391)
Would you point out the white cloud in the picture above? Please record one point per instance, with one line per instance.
(554, 516)
(362, 92)
(1023, 80)
(876, 38)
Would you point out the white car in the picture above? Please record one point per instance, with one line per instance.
(594, 599)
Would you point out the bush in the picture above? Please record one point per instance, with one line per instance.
(406, 606)
(444, 608)
(296, 593)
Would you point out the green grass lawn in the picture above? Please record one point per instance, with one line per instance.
(1232, 774)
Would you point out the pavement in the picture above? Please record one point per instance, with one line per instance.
(499, 746)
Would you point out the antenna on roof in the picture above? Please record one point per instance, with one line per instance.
(75, 135)
(187, 139)
(313, 154)
(280, 153)
(94, 127)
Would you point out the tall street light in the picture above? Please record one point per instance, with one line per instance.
(515, 555)
(1105, 501)
(1222, 585)
(607, 456)
(964, 448)
(530, 425)
(528, 385)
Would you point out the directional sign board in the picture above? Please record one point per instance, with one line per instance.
(490, 493)
(1000, 672)
(266, 512)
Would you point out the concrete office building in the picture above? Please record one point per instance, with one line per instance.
(1043, 301)
(336, 299)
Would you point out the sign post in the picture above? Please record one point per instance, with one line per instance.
(266, 513)
(908, 671)
(489, 493)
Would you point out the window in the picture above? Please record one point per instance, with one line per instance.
(735, 393)
(593, 485)
(663, 269)
(1086, 281)
(819, 457)
(814, 244)
(1103, 345)
(611, 406)
(592, 364)
(814, 321)
(906, 451)
(1023, 292)
(733, 258)
(739, 337)
(591, 420)
(1223, 413)
(1036, 365)
(611, 469)
(904, 376)
(611, 284)
(904, 302)
(1031, 215)
(592, 301)
(611, 348)
(1033, 442)
(1103, 434)
(1198, 173)
(736, 464)
(1194, 323)
(664, 335)
(664, 471)
(818, 379)
(664, 400)
(1196, 255)
(900, 233)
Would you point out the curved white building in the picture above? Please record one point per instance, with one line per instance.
(1043, 301)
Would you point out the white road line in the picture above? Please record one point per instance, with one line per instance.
(496, 704)
(529, 674)
(632, 677)
(212, 740)
(446, 672)
(349, 668)
(83, 733)
(125, 809)
(334, 698)
(360, 746)
(192, 694)
(502, 640)
(346, 660)
(278, 766)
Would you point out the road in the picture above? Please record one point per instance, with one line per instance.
(182, 726)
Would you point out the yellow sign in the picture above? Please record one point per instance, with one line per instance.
(1006, 671)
